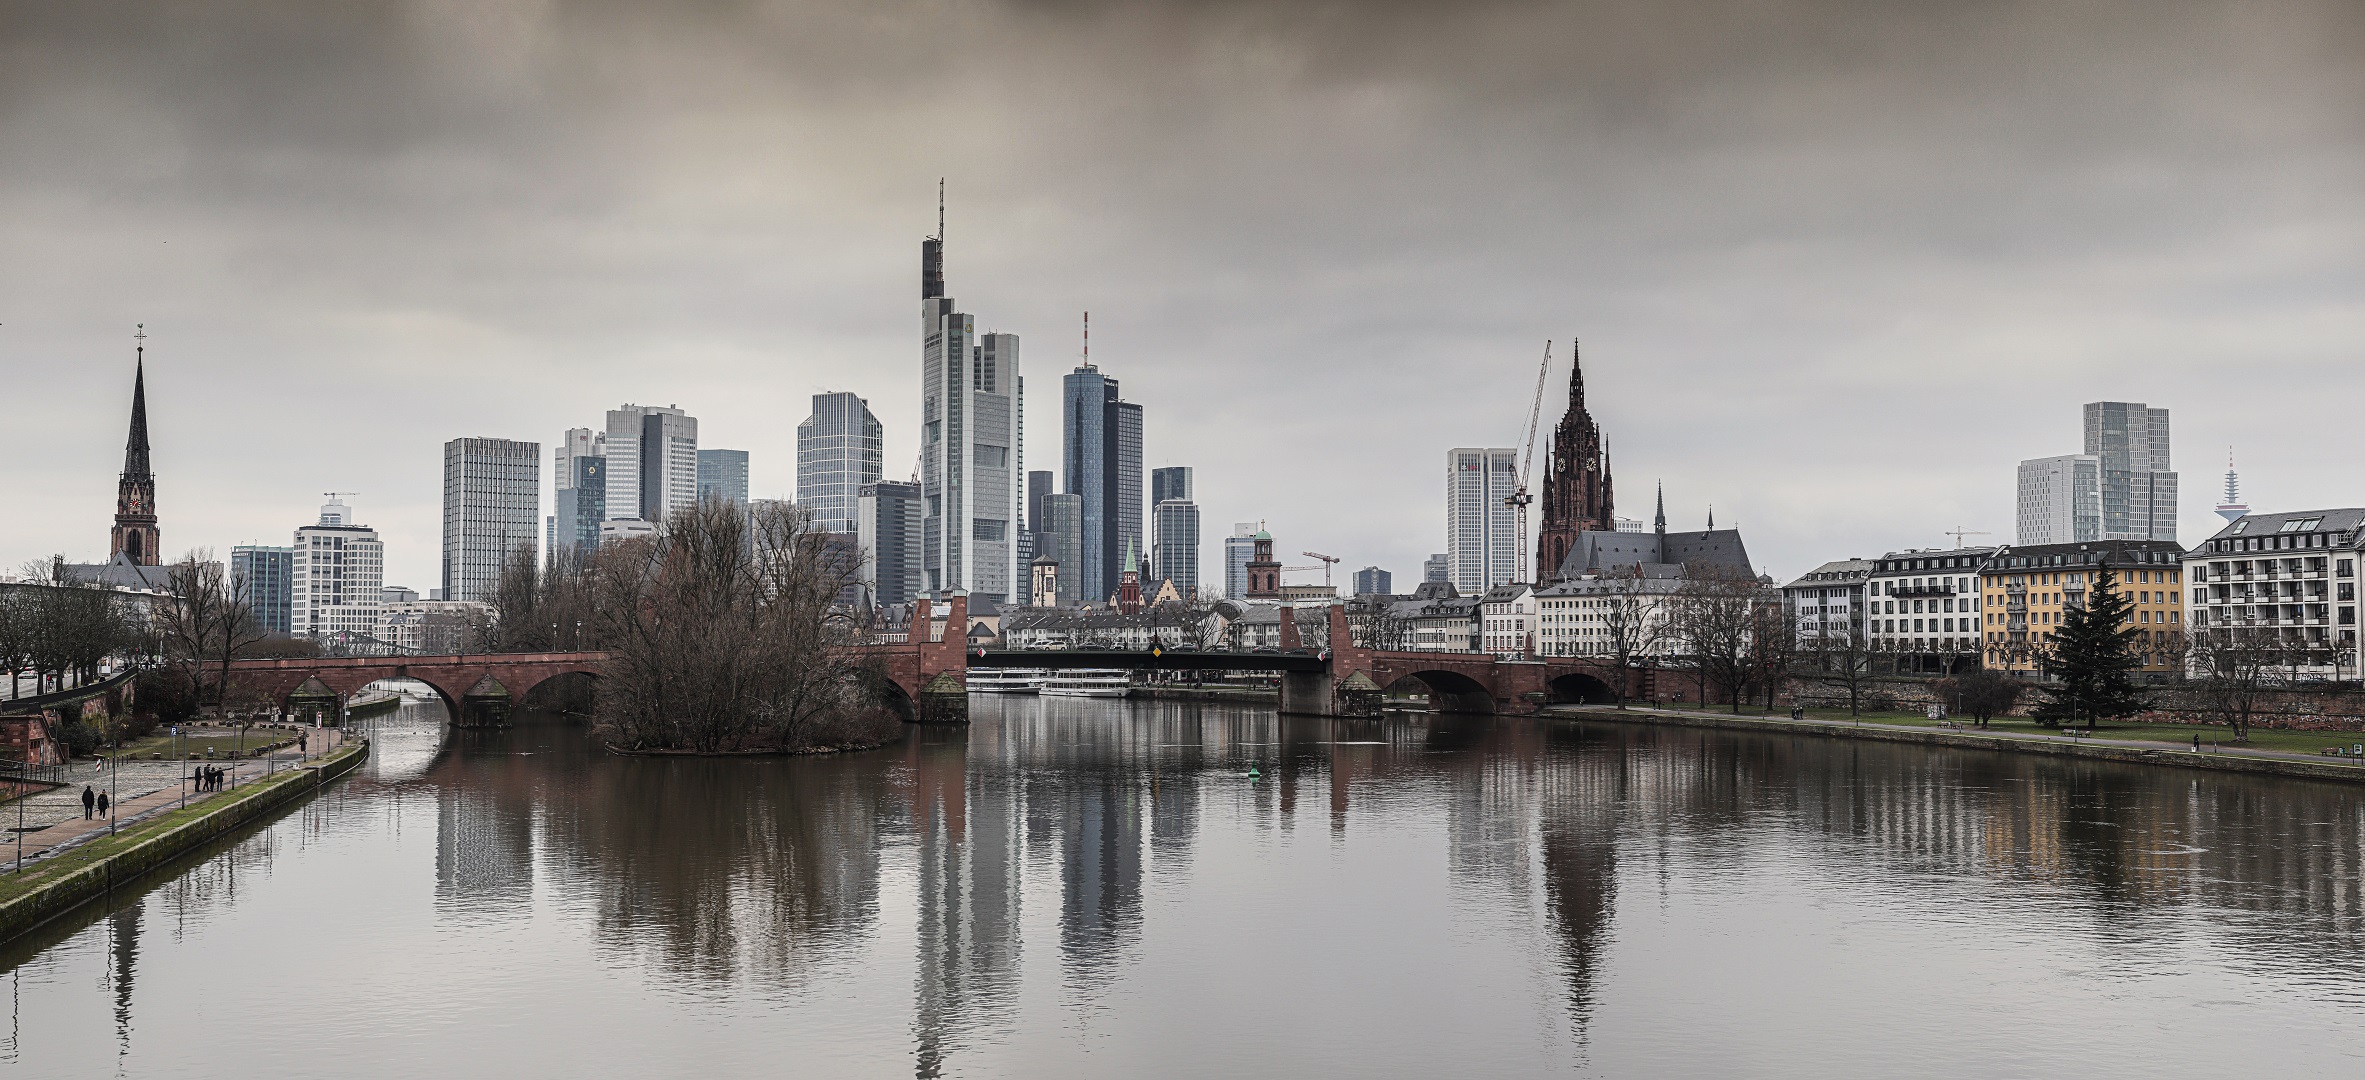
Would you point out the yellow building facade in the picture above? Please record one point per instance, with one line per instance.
(2028, 591)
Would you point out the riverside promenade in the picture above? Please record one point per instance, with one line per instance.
(151, 794)
(2216, 757)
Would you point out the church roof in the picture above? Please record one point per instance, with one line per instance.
(1609, 551)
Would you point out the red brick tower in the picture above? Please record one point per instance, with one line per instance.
(1576, 484)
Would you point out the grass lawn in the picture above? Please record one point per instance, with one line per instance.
(2304, 742)
(196, 740)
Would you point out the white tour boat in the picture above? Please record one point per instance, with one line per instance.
(1087, 682)
(1005, 680)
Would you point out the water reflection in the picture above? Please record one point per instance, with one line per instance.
(1386, 897)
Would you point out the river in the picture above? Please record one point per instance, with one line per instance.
(1094, 888)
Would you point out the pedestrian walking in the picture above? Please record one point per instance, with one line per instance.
(102, 804)
(2196, 742)
(89, 799)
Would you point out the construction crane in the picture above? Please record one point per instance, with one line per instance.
(1958, 532)
(1328, 561)
(1519, 499)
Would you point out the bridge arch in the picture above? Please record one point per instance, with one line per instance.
(1450, 691)
(1580, 688)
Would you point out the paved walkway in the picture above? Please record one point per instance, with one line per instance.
(1780, 719)
(132, 809)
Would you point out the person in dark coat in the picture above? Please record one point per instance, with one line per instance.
(102, 804)
(89, 799)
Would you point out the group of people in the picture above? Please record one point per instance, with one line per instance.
(94, 803)
(209, 778)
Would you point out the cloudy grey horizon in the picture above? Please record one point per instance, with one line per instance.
(1837, 267)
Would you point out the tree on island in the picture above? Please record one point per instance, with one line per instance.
(724, 634)
(2093, 657)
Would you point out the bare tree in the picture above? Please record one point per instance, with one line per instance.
(1717, 607)
(1630, 630)
(205, 623)
(18, 630)
(1773, 646)
(718, 644)
(1844, 659)
(1375, 624)
(2234, 673)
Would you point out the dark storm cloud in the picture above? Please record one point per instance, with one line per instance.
(1837, 266)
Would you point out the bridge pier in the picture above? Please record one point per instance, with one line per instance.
(1307, 693)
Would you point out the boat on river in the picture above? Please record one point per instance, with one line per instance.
(1088, 682)
(1006, 680)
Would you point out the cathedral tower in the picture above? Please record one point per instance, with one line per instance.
(1577, 495)
(135, 537)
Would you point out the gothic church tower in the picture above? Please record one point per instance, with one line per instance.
(1577, 496)
(135, 536)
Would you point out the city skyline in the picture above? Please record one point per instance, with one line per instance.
(1813, 280)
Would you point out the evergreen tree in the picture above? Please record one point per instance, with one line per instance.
(2094, 657)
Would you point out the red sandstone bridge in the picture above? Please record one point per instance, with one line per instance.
(929, 667)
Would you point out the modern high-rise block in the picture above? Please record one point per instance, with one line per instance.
(652, 456)
(582, 503)
(2060, 500)
(888, 527)
(1172, 482)
(972, 447)
(1061, 537)
(2138, 484)
(492, 498)
(1373, 581)
(1102, 457)
(840, 447)
(337, 574)
(722, 476)
(1480, 531)
(260, 577)
(1039, 483)
(1437, 568)
(1175, 555)
(1238, 549)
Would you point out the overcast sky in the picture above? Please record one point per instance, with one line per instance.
(1836, 267)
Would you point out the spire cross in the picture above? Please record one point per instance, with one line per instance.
(139, 336)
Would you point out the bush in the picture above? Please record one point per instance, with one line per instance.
(81, 738)
(163, 696)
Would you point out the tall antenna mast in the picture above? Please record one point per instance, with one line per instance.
(1087, 339)
(940, 209)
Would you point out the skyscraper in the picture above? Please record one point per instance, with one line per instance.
(652, 456)
(582, 505)
(722, 476)
(1102, 457)
(2060, 500)
(1175, 524)
(1372, 580)
(1038, 484)
(1172, 482)
(1062, 538)
(260, 577)
(840, 447)
(2138, 485)
(492, 495)
(1437, 568)
(337, 574)
(1238, 549)
(2120, 488)
(972, 451)
(1479, 530)
(887, 522)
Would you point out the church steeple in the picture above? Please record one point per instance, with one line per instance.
(1659, 521)
(1577, 492)
(135, 535)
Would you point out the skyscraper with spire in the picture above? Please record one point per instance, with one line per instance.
(972, 454)
(1577, 492)
(135, 536)
(1101, 455)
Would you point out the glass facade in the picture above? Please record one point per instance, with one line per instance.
(840, 448)
(492, 497)
(261, 577)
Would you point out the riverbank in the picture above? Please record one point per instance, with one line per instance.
(59, 883)
(2222, 759)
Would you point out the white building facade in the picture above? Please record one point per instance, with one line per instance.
(337, 577)
(1923, 606)
(1828, 603)
(1480, 531)
(2290, 578)
(652, 454)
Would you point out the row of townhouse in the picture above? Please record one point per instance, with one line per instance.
(2288, 580)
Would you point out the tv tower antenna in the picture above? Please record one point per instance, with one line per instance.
(1087, 339)
(2232, 508)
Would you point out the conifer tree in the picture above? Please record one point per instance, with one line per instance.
(2094, 657)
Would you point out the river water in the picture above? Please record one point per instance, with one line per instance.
(1093, 888)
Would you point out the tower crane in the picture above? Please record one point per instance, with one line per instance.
(1328, 561)
(1958, 532)
(1519, 499)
